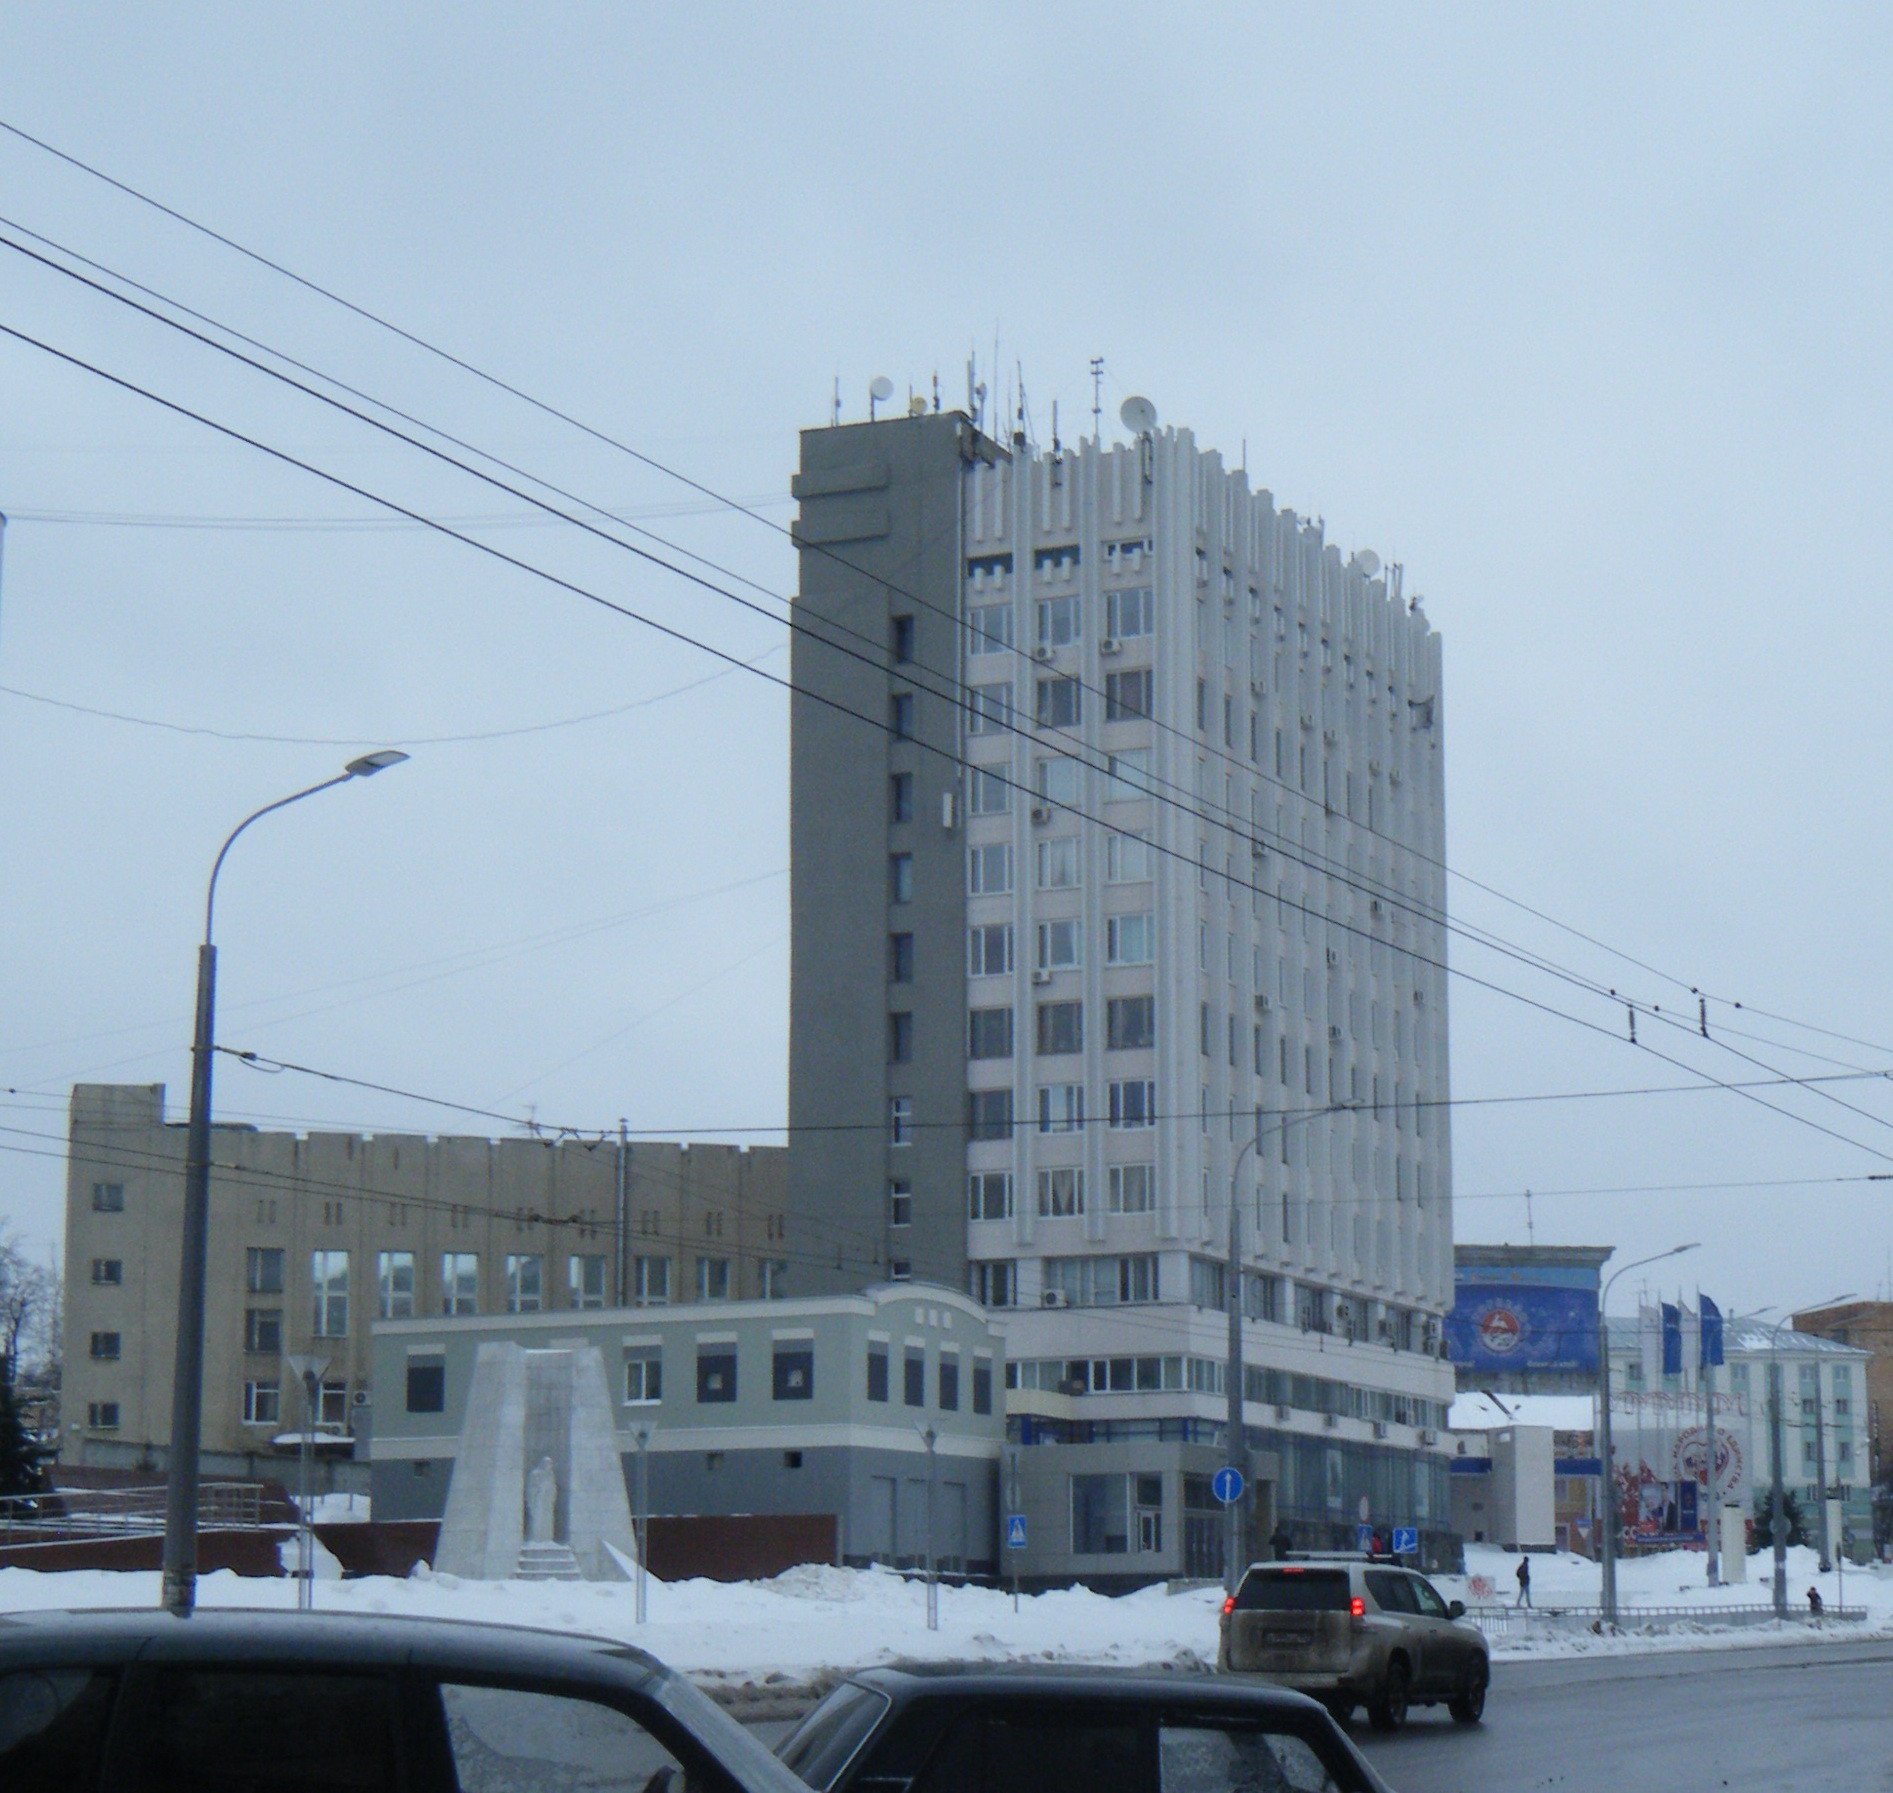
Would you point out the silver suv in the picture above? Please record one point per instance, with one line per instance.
(1354, 1629)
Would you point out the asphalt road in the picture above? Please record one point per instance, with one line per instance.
(1812, 1719)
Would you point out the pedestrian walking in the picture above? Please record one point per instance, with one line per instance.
(1281, 1541)
(1524, 1582)
(1815, 1606)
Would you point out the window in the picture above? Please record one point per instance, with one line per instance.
(105, 1347)
(1059, 704)
(1133, 1103)
(1061, 1193)
(263, 1331)
(1061, 1028)
(900, 797)
(264, 1265)
(989, 1195)
(713, 1279)
(1202, 705)
(900, 1037)
(989, 709)
(988, 628)
(328, 1276)
(427, 1385)
(1130, 1023)
(525, 1282)
(947, 1379)
(993, 1283)
(1133, 1189)
(1103, 1281)
(792, 1377)
(900, 1203)
(1059, 863)
(108, 1198)
(900, 958)
(901, 632)
(982, 1385)
(914, 1377)
(1060, 620)
(989, 1114)
(1059, 780)
(1127, 859)
(900, 877)
(1061, 945)
(989, 1033)
(772, 1279)
(650, 1281)
(1100, 1523)
(262, 1404)
(988, 793)
(394, 1284)
(716, 1373)
(877, 1372)
(1127, 696)
(1130, 939)
(1129, 614)
(102, 1416)
(988, 871)
(989, 950)
(900, 1120)
(585, 1280)
(1061, 1107)
(108, 1271)
(460, 1282)
(1129, 775)
(900, 715)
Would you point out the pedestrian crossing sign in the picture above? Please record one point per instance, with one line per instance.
(1015, 1531)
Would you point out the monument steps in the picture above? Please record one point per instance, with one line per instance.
(547, 1562)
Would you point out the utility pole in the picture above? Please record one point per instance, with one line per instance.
(1820, 1470)
(643, 1540)
(1712, 1511)
(623, 1215)
(1778, 1518)
(929, 1437)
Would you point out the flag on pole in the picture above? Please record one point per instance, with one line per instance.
(1691, 1338)
(1672, 1339)
(1711, 1332)
(1650, 1344)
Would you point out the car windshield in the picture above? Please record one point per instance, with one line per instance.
(1293, 1590)
(824, 1743)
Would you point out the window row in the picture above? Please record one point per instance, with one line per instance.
(1129, 696)
(1130, 1024)
(1129, 615)
(1060, 945)
(792, 1371)
(1129, 1189)
(1059, 780)
(1128, 859)
(1129, 1104)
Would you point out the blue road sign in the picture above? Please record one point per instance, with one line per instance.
(1406, 1540)
(1226, 1484)
(1363, 1537)
(1015, 1531)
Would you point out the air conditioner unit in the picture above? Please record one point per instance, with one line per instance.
(361, 1397)
(1042, 975)
(1255, 688)
(1110, 645)
(1262, 1005)
(1281, 1412)
(1258, 849)
(1334, 1031)
(1380, 1428)
(1330, 1421)
(1041, 812)
(949, 810)
(1334, 958)
(1044, 651)
(1053, 1297)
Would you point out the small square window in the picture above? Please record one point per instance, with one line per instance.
(108, 1272)
(901, 630)
(900, 797)
(716, 1375)
(105, 1347)
(900, 1203)
(108, 1198)
(793, 1373)
(427, 1385)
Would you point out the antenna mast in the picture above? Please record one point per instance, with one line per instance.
(1097, 399)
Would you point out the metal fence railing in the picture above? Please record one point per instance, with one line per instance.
(1514, 1623)
(122, 1512)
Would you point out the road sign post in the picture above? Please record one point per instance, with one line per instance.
(1406, 1540)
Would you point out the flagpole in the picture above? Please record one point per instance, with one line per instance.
(1711, 1511)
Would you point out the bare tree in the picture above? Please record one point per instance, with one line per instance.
(29, 1312)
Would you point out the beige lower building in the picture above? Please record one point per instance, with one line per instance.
(313, 1236)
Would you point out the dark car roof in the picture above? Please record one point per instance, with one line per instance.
(1030, 1681)
(380, 1639)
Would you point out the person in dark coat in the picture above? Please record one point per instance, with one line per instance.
(1815, 1605)
(1281, 1542)
(1524, 1581)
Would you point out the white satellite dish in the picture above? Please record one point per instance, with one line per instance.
(880, 389)
(1138, 415)
(1368, 561)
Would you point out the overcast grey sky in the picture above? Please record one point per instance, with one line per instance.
(1579, 312)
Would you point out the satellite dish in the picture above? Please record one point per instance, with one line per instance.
(880, 389)
(1138, 415)
(1368, 561)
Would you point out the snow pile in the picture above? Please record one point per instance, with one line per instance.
(817, 1619)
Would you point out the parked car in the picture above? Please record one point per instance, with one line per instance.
(1034, 1731)
(1353, 1629)
(250, 1702)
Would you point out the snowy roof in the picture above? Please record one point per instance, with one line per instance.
(1748, 1338)
(1476, 1411)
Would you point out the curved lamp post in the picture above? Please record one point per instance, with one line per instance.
(1607, 1515)
(187, 1389)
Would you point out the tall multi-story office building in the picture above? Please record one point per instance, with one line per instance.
(1118, 835)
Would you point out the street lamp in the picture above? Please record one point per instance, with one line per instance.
(187, 1391)
(931, 1439)
(1607, 1528)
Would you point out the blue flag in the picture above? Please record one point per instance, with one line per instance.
(1711, 1331)
(1672, 1339)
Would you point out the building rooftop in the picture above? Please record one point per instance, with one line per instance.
(1752, 1338)
(1488, 1257)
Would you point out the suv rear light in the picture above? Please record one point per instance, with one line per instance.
(1229, 1604)
(1357, 1607)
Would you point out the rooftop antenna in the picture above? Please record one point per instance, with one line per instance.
(936, 389)
(1138, 415)
(972, 391)
(834, 416)
(1097, 399)
(1054, 429)
(1531, 1232)
(880, 390)
(1020, 433)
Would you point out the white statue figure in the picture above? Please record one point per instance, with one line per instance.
(542, 1497)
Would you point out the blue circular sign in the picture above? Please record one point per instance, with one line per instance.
(1226, 1484)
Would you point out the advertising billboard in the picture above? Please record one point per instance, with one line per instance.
(1504, 1326)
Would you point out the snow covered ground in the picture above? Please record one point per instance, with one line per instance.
(814, 1619)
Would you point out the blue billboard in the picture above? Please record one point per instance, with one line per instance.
(1499, 1325)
